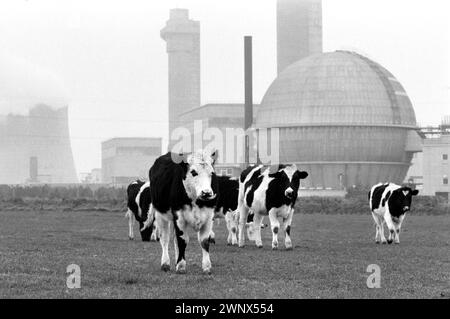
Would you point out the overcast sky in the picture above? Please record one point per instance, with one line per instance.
(113, 63)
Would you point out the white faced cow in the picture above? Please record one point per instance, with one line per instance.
(389, 203)
(183, 191)
(270, 192)
(138, 207)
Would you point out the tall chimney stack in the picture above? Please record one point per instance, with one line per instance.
(299, 30)
(248, 116)
(182, 36)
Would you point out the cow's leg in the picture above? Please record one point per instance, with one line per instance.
(243, 213)
(232, 227)
(381, 223)
(154, 236)
(398, 228)
(130, 217)
(257, 229)
(212, 236)
(390, 225)
(182, 240)
(287, 229)
(275, 226)
(164, 226)
(203, 239)
(378, 227)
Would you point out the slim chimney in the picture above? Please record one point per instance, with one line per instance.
(248, 117)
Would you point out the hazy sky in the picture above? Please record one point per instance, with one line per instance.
(113, 63)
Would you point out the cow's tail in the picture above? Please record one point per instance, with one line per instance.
(150, 218)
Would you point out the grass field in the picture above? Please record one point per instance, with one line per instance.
(329, 260)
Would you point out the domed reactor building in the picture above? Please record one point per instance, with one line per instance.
(341, 116)
(34, 133)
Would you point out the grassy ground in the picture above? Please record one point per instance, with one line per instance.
(329, 260)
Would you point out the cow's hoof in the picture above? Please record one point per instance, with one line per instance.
(130, 238)
(207, 271)
(229, 244)
(241, 246)
(377, 242)
(289, 248)
(389, 241)
(384, 242)
(181, 271)
(397, 242)
(274, 247)
(165, 267)
(259, 246)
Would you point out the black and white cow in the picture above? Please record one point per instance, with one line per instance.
(138, 207)
(183, 190)
(226, 206)
(389, 204)
(269, 191)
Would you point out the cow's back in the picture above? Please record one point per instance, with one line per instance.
(132, 192)
(379, 195)
(166, 184)
(228, 193)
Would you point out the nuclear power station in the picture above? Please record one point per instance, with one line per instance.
(34, 131)
(341, 116)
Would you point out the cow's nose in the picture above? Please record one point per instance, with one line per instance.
(288, 192)
(206, 193)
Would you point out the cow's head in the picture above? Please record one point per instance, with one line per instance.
(288, 179)
(401, 198)
(201, 181)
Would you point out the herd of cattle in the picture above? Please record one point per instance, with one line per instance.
(184, 191)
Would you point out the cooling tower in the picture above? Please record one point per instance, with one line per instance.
(299, 30)
(34, 131)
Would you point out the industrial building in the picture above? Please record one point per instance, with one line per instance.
(34, 131)
(128, 158)
(430, 170)
(340, 116)
(228, 119)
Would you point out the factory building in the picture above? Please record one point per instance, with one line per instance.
(34, 131)
(128, 158)
(228, 119)
(430, 170)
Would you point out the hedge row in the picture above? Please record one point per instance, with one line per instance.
(114, 199)
(421, 205)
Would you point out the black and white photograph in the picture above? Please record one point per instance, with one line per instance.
(226, 155)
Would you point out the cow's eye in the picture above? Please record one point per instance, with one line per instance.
(194, 173)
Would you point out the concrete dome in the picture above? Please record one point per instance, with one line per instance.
(343, 117)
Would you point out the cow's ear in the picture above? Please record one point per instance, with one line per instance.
(273, 169)
(179, 157)
(302, 174)
(415, 192)
(214, 156)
